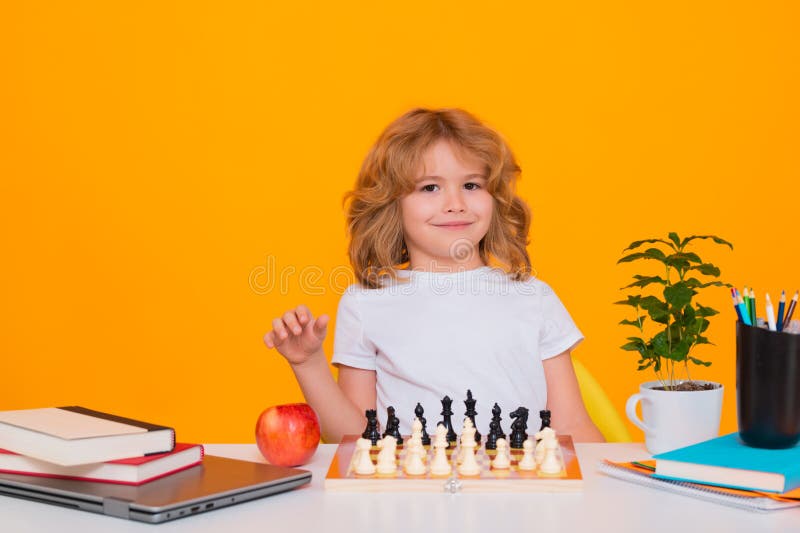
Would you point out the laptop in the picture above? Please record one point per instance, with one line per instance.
(217, 482)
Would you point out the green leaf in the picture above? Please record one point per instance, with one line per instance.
(706, 268)
(699, 362)
(633, 301)
(644, 281)
(636, 244)
(678, 295)
(658, 310)
(716, 239)
(674, 238)
(688, 315)
(714, 284)
(677, 261)
(706, 311)
(680, 351)
(631, 323)
(661, 345)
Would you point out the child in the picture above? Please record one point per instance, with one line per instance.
(433, 207)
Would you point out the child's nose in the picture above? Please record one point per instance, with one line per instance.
(455, 202)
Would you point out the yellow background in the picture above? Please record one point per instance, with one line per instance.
(162, 163)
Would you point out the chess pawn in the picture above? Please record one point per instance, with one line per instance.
(440, 466)
(528, 462)
(413, 465)
(501, 461)
(550, 464)
(386, 455)
(364, 464)
(469, 465)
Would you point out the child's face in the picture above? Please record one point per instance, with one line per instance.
(448, 212)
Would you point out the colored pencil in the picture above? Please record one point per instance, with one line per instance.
(753, 316)
(790, 311)
(781, 308)
(743, 310)
(770, 315)
(736, 306)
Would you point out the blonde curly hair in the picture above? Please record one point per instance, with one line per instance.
(377, 247)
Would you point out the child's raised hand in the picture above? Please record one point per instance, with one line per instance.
(297, 335)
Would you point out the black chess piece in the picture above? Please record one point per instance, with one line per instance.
(497, 418)
(393, 425)
(544, 414)
(447, 413)
(491, 438)
(419, 411)
(371, 432)
(518, 427)
(471, 412)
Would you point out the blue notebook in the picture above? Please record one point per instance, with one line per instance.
(727, 462)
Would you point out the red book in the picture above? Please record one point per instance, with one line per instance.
(133, 471)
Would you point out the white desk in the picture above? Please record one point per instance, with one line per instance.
(605, 504)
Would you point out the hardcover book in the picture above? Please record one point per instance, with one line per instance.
(727, 462)
(75, 435)
(132, 471)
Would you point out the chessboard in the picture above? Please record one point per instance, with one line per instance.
(342, 477)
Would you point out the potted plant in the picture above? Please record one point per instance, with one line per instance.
(672, 324)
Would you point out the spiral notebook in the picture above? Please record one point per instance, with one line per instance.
(752, 501)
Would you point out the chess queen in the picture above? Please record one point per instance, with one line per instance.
(445, 300)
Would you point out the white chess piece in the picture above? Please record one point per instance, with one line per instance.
(527, 462)
(501, 460)
(541, 437)
(469, 465)
(440, 466)
(551, 463)
(467, 435)
(386, 457)
(364, 464)
(413, 465)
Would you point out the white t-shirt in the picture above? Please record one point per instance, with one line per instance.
(435, 334)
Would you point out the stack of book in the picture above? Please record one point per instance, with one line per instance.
(78, 443)
(723, 470)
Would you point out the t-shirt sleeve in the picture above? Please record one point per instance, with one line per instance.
(350, 346)
(559, 332)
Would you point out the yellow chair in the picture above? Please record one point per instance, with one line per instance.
(600, 408)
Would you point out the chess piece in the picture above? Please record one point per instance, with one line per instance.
(414, 466)
(551, 463)
(544, 414)
(501, 461)
(415, 441)
(371, 432)
(440, 466)
(364, 464)
(491, 438)
(471, 412)
(467, 437)
(393, 425)
(518, 427)
(419, 411)
(497, 418)
(469, 465)
(387, 464)
(447, 413)
(543, 436)
(527, 462)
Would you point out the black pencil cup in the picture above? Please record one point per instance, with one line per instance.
(767, 387)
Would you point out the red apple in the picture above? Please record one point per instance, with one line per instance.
(288, 435)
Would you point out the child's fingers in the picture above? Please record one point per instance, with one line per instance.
(269, 339)
(303, 314)
(290, 319)
(280, 331)
(321, 325)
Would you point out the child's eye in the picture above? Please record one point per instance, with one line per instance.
(472, 186)
(431, 187)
